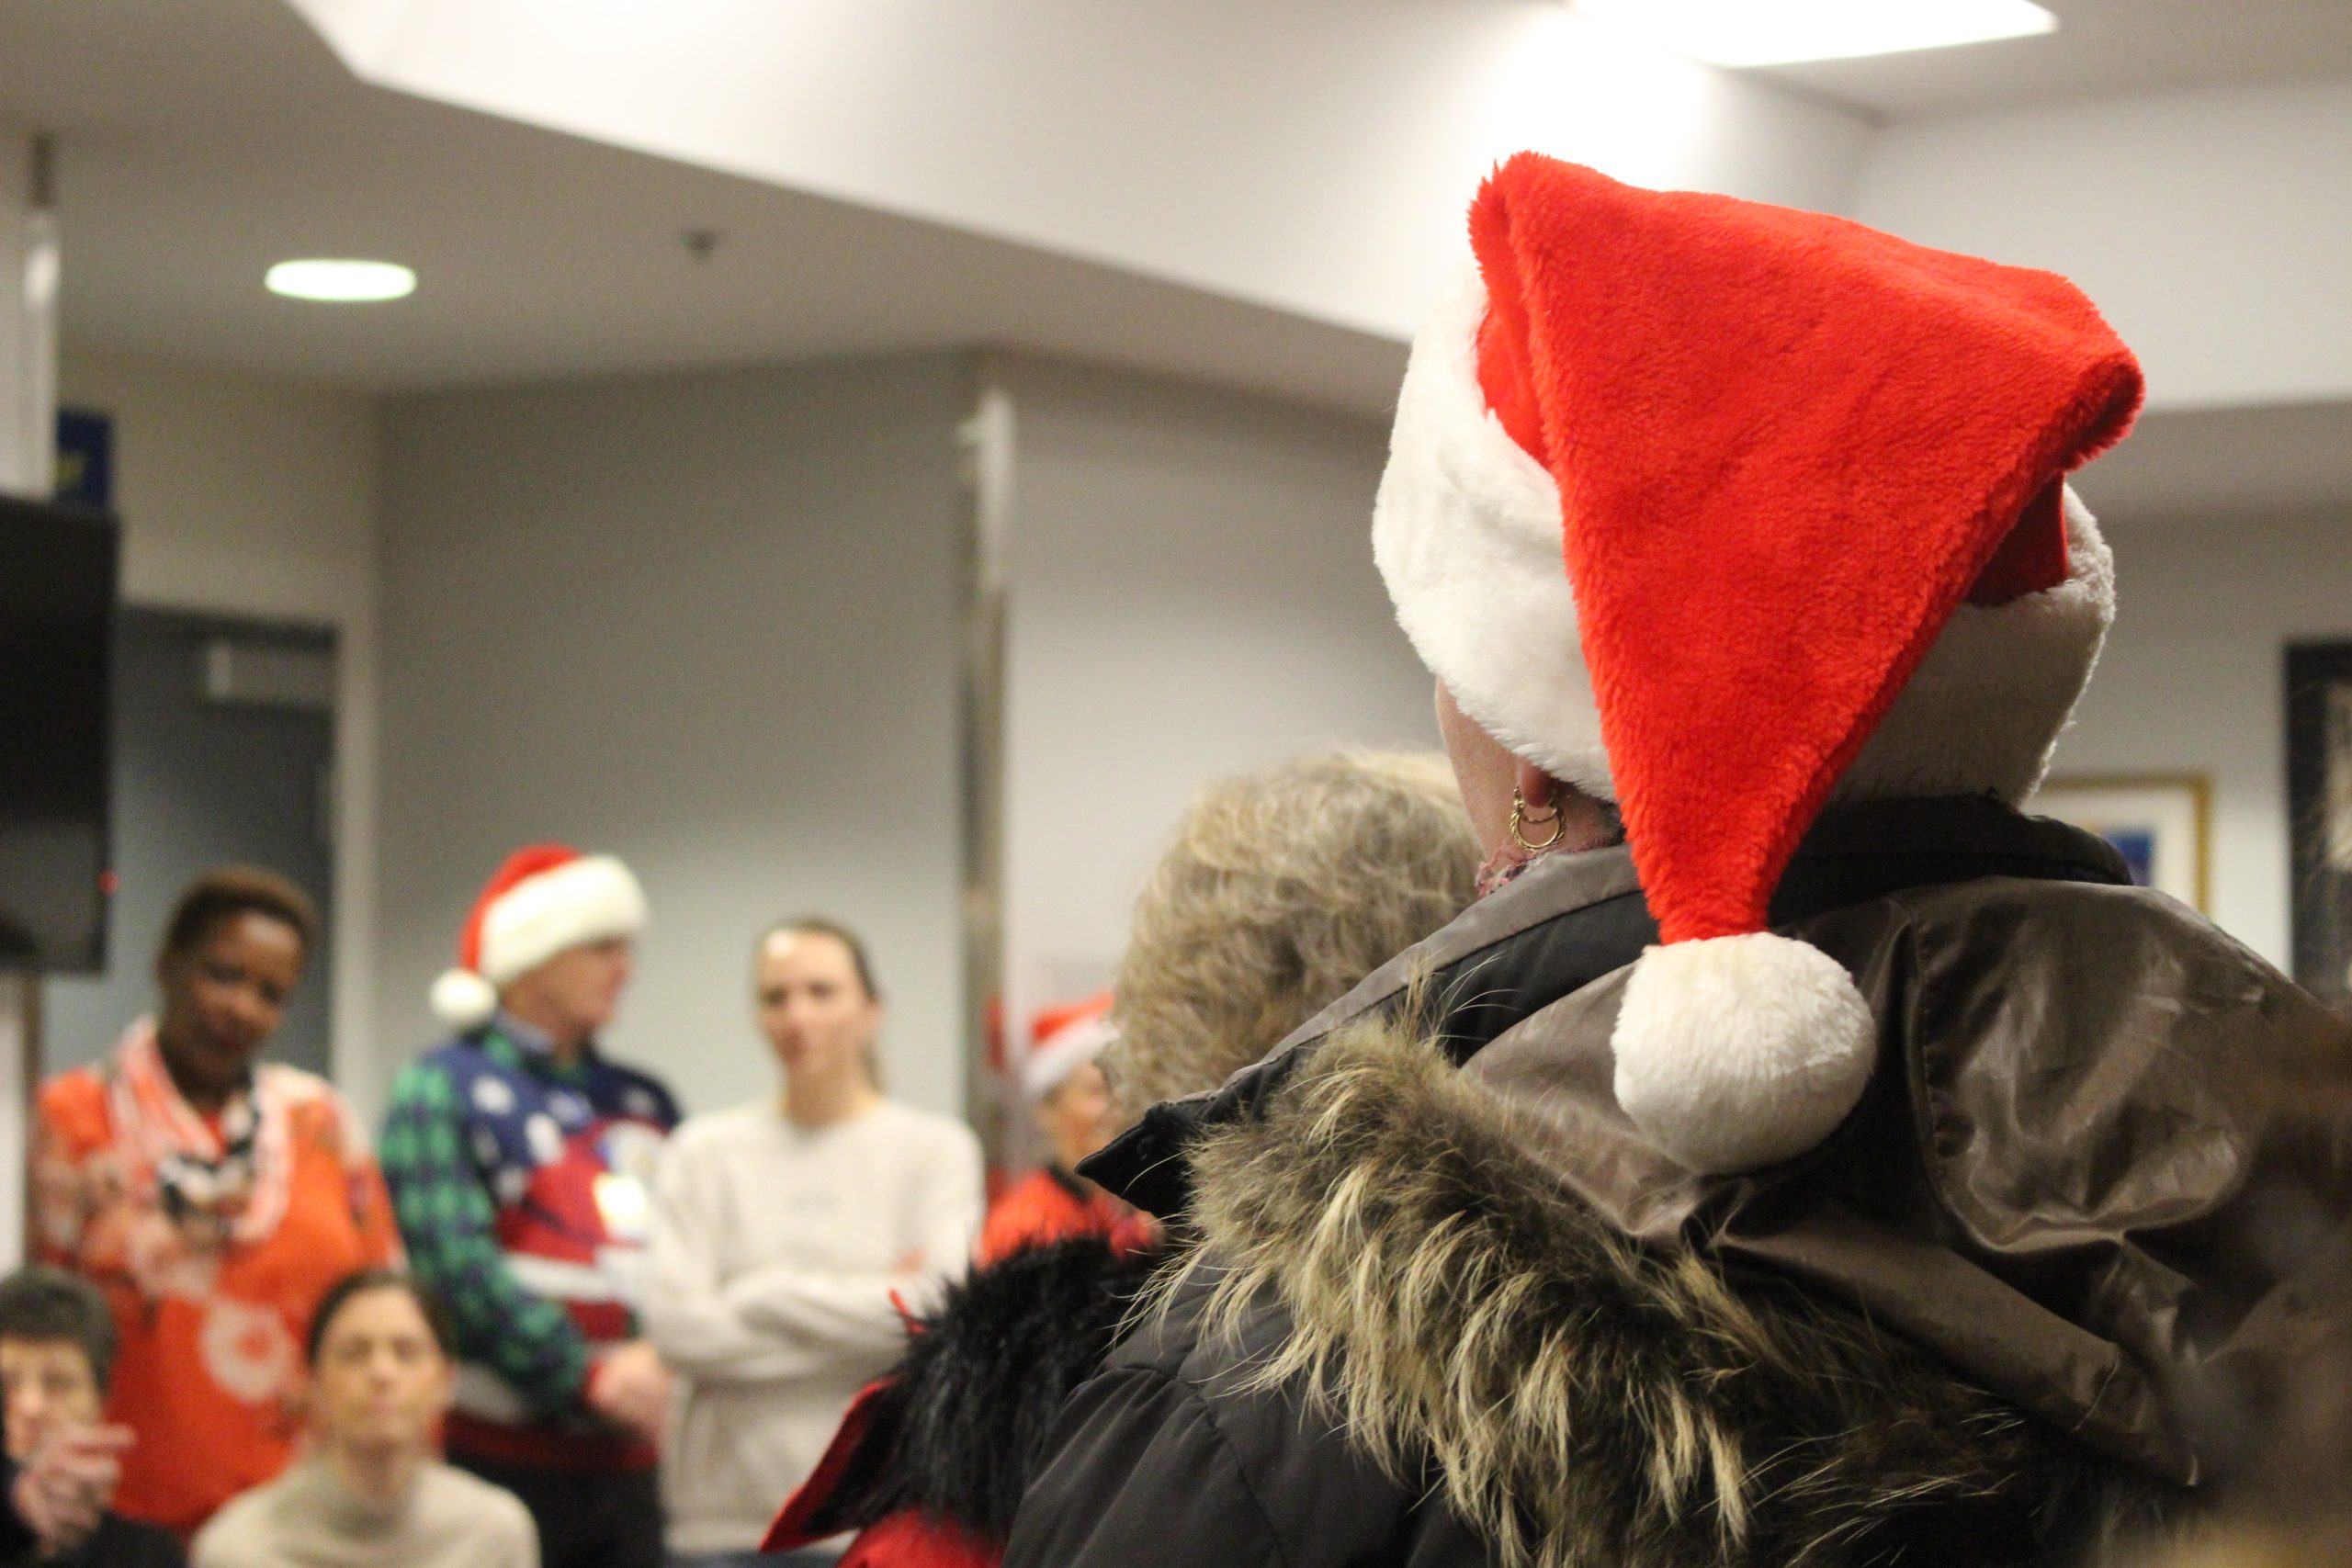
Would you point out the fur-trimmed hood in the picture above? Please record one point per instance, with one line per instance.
(1582, 1401)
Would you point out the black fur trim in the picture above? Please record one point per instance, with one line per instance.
(962, 1427)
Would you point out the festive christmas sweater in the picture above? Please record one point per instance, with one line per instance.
(521, 1187)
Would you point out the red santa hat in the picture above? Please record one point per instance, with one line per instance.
(1063, 1039)
(1718, 510)
(544, 899)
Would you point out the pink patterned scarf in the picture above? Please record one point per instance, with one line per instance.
(217, 1185)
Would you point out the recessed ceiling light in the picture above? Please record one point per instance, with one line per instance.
(1776, 32)
(342, 281)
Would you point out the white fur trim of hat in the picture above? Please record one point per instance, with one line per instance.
(520, 924)
(1049, 1063)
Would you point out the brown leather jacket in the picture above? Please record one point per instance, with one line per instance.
(2102, 1178)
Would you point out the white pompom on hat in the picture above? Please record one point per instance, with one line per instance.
(1063, 1039)
(542, 900)
(1717, 510)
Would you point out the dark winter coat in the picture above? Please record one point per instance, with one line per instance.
(1449, 1308)
(116, 1542)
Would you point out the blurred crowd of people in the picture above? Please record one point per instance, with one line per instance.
(254, 1326)
(542, 1318)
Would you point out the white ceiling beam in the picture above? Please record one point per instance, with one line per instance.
(1315, 158)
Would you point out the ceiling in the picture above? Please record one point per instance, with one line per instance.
(202, 139)
(2102, 49)
(198, 142)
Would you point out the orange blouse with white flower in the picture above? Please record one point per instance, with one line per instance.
(213, 1238)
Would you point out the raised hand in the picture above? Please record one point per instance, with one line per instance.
(66, 1484)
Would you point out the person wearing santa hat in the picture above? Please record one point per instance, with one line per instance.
(1072, 1101)
(519, 1159)
(1800, 1155)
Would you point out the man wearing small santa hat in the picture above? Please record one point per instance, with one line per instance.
(1800, 1155)
(1072, 1101)
(519, 1160)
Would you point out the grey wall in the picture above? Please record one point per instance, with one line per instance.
(709, 623)
(2193, 680)
(1192, 595)
(199, 783)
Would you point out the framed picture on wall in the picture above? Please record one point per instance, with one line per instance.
(2160, 823)
(2319, 812)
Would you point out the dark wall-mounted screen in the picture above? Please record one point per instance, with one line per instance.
(57, 605)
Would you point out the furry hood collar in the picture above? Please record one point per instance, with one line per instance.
(1586, 1402)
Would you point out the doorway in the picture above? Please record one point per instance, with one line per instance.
(223, 751)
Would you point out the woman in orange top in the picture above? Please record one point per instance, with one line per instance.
(212, 1198)
(1071, 1101)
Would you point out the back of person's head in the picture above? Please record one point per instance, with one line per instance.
(1281, 889)
(226, 892)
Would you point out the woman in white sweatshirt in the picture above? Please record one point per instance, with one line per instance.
(782, 1231)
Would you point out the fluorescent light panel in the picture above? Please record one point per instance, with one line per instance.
(343, 282)
(1776, 32)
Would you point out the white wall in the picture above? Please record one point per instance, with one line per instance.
(28, 329)
(2193, 681)
(1192, 595)
(240, 495)
(2212, 227)
(709, 623)
(258, 498)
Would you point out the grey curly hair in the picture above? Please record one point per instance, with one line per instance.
(1281, 889)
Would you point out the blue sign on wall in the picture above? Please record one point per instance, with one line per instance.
(85, 457)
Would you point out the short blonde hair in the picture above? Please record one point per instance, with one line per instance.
(1281, 890)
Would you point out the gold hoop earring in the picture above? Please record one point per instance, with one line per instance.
(1520, 819)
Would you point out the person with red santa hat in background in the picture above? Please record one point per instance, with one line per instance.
(1072, 1101)
(520, 1161)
